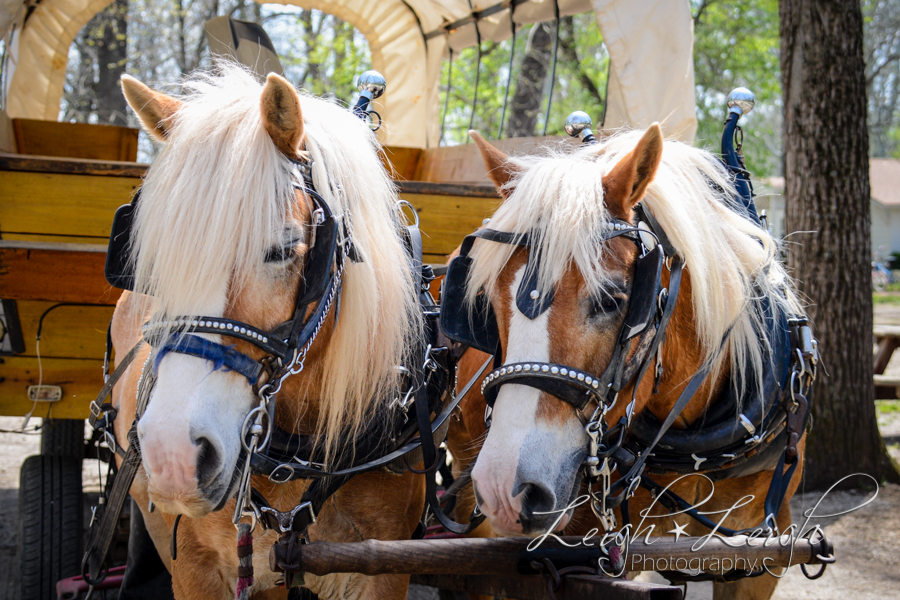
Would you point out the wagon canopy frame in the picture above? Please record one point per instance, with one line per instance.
(409, 39)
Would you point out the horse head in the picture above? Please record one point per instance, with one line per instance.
(576, 288)
(225, 234)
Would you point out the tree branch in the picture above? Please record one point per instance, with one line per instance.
(701, 9)
(891, 58)
(568, 47)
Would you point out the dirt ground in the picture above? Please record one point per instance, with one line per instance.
(867, 541)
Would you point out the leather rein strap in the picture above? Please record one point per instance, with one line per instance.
(106, 515)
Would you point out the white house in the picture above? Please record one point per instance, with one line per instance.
(884, 175)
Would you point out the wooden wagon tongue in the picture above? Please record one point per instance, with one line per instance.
(505, 566)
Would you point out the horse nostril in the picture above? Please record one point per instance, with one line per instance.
(536, 498)
(207, 461)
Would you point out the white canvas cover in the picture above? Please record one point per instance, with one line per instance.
(650, 47)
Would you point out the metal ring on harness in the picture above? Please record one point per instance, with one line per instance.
(247, 429)
(401, 203)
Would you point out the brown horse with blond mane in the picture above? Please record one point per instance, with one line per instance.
(224, 229)
(556, 267)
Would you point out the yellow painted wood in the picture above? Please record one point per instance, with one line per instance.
(52, 203)
(435, 259)
(446, 220)
(68, 331)
(55, 276)
(65, 239)
(80, 379)
(76, 140)
(463, 163)
(400, 162)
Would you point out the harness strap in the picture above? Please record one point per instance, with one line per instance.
(775, 495)
(101, 536)
(429, 454)
(220, 355)
(282, 472)
(107, 513)
(671, 300)
(106, 390)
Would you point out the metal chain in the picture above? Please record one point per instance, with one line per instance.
(256, 431)
(597, 472)
(298, 362)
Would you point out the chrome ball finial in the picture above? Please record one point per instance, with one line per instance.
(371, 84)
(578, 124)
(741, 101)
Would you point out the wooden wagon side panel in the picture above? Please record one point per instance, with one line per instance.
(39, 205)
(55, 217)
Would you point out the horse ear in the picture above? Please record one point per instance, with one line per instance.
(281, 115)
(500, 169)
(627, 183)
(154, 109)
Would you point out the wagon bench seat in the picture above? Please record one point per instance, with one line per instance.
(55, 217)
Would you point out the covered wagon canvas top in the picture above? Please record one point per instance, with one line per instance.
(650, 47)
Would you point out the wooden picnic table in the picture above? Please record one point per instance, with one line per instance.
(887, 387)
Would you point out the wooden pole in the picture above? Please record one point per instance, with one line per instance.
(509, 556)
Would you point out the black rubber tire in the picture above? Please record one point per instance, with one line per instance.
(64, 437)
(50, 524)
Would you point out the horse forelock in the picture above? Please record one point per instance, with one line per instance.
(558, 200)
(218, 191)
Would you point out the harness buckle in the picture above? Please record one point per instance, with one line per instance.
(96, 411)
(284, 522)
(110, 441)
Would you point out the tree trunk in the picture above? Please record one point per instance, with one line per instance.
(827, 194)
(526, 102)
(112, 55)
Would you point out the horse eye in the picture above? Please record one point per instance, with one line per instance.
(607, 304)
(285, 251)
(279, 254)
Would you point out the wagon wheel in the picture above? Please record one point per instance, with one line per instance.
(64, 437)
(50, 524)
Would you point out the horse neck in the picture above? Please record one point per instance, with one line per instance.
(682, 356)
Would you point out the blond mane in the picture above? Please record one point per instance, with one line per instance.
(557, 199)
(220, 188)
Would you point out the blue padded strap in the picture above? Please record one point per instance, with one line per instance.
(222, 357)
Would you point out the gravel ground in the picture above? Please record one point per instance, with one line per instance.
(866, 540)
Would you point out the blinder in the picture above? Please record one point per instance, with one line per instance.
(475, 325)
(119, 269)
(642, 304)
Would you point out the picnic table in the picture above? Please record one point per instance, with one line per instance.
(887, 337)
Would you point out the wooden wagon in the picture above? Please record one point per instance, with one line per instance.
(60, 184)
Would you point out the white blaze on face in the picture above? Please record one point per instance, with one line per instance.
(513, 418)
(194, 414)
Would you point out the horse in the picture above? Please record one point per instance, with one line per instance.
(225, 230)
(559, 272)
